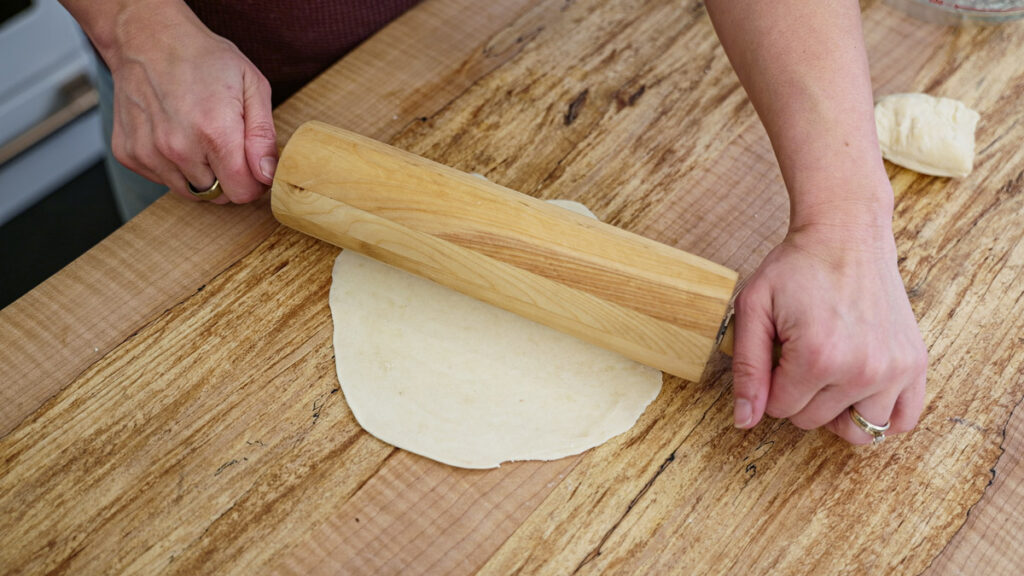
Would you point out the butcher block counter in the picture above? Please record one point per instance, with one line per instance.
(169, 402)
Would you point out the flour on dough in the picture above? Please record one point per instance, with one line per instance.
(462, 382)
(927, 134)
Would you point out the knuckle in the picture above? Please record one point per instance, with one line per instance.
(832, 359)
(122, 155)
(239, 185)
(142, 158)
(873, 373)
(174, 148)
(262, 84)
(245, 196)
(236, 173)
(124, 152)
(743, 299)
(776, 407)
(745, 374)
(150, 158)
(260, 130)
(748, 300)
(802, 422)
(823, 361)
(213, 137)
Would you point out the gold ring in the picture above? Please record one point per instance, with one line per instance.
(210, 193)
(877, 432)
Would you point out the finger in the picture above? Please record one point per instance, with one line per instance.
(193, 191)
(156, 169)
(907, 410)
(180, 149)
(140, 148)
(197, 177)
(174, 180)
(811, 361)
(225, 145)
(793, 386)
(876, 409)
(825, 406)
(125, 151)
(752, 359)
(132, 164)
(170, 174)
(260, 137)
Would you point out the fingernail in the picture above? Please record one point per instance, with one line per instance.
(268, 165)
(742, 413)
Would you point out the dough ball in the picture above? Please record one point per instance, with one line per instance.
(927, 134)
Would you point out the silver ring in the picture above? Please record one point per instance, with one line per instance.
(877, 432)
(210, 193)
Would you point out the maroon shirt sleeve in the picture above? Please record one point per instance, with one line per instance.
(292, 41)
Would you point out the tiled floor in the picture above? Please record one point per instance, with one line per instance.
(46, 237)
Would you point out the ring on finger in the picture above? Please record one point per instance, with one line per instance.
(877, 432)
(210, 193)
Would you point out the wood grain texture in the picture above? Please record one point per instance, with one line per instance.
(54, 333)
(478, 513)
(990, 540)
(212, 438)
(978, 230)
(650, 302)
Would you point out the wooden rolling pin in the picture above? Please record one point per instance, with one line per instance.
(652, 303)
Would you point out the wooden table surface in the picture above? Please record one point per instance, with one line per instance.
(169, 401)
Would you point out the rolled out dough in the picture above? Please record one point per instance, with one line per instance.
(927, 134)
(451, 378)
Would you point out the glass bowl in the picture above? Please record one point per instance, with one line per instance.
(960, 11)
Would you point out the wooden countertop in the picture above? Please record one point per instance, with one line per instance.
(169, 401)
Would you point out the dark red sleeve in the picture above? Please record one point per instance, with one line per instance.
(293, 41)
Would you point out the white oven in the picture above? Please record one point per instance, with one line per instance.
(49, 123)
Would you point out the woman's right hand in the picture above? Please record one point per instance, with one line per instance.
(189, 107)
(832, 295)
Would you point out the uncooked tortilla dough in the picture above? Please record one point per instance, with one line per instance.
(927, 134)
(451, 378)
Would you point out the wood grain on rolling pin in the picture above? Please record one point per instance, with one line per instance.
(651, 302)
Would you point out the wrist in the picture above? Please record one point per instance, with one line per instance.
(859, 199)
(846, 213)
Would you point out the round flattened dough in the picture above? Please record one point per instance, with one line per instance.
(462, 382)
(927, 134)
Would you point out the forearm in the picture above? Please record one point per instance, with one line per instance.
(113, 24)
(830, 292)
(805, 69)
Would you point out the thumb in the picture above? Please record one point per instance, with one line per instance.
(752, 362)
(260, 136)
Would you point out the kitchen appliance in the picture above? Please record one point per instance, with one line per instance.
(49, 123)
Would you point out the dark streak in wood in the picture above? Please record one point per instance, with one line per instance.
(575, 106)
(626, 100)
(597, 549)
